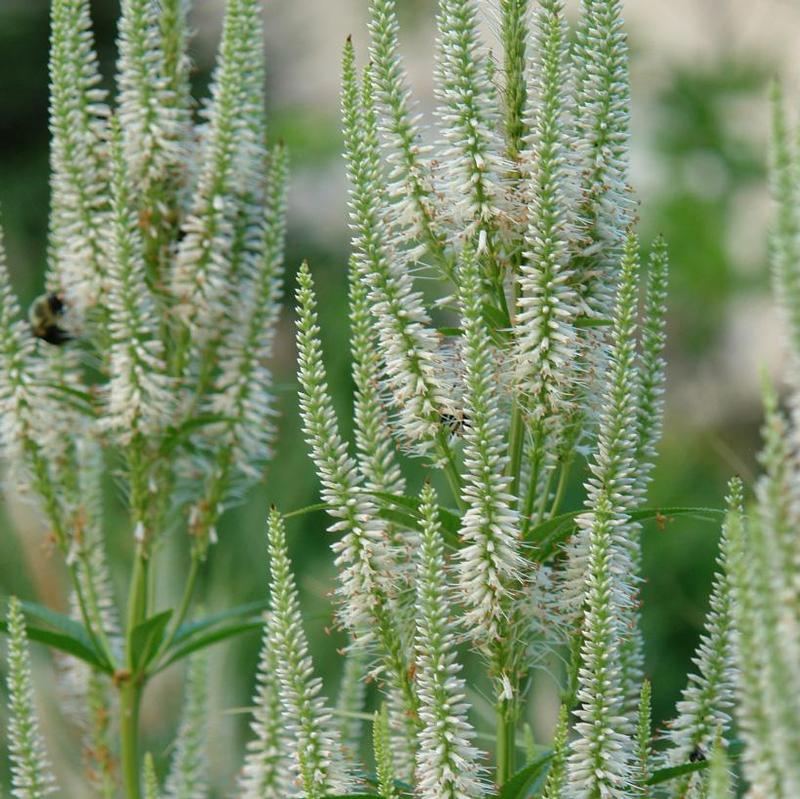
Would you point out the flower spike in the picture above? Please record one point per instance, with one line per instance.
(30, 770)
(315, 748)
(447, 761)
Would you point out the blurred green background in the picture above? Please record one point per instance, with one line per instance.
(700, 122)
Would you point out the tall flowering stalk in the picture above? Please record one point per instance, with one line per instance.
(315, 747)
(447, 761)
(150, 349)
(706, 702)
(30, 771)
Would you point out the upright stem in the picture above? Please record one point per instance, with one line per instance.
(131, 682)
(137, 595)
(183, 607)
(451, 470)
(129, 701)
(562, 485)
(516, 437)
(90, 613)
(530, 497)
(506, 740)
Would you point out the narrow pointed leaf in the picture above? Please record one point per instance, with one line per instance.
(246, 610)
(214, 637)
(521, 783)
(64, 643)
(550, 533)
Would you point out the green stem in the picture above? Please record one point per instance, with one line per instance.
(506, 741)
(131, 682)
(137, 595)
(183, 607)
(451, 470)
(562, 485)
(129, 702)
(530, 497)
(543, 498)
(53, 511)
(89, 611)
(516, 439)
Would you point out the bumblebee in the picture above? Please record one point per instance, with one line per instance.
(45, 316)
(455, 423)
(697, 755)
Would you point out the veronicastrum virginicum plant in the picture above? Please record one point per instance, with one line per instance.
(164, 278)
(528, 358)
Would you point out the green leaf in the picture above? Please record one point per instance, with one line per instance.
(665, 774)
(64, 643)
(587, 321)
(215, 636)
(405, 790)
(450, 521)
(188, 629)
(68, 630)
(521, 783)
(351, 796)
(449, 331)
(175, 435)
(408, 516)
(146, 638)
(498, 321)
(410, 503)
(318, 506)
(81, 401)
(399, 518)
(550, 533)
(65, 624)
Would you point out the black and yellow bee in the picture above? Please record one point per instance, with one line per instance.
(455, 423)
(697, 755)
(45, 317)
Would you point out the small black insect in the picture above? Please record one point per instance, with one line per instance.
(45, 315)
(697, 755)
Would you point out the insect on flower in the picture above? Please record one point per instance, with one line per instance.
(45, 316)
(455, 423)
(697, 755)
